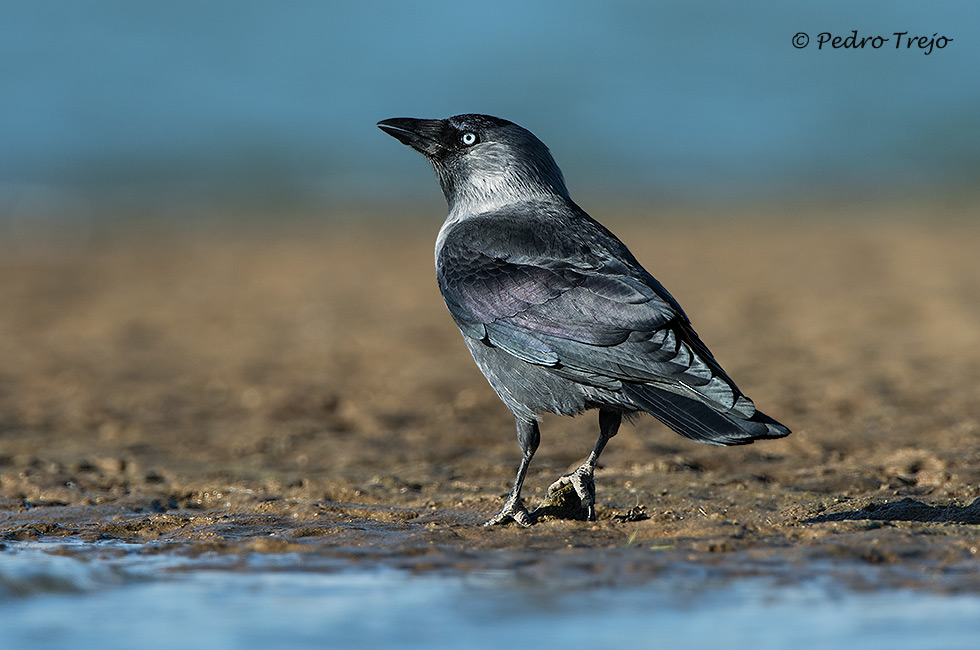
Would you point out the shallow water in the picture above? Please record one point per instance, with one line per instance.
(105, 597)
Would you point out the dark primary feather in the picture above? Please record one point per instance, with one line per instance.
(561, 292)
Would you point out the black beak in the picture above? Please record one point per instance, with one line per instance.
(421, 135)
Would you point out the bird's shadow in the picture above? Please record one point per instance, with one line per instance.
(906, 510)
(546, 511)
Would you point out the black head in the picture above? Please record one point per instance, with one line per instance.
(481, 158)
(444, 138)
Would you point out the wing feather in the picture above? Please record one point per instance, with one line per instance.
(588, 311)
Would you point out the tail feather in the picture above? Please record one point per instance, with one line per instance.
(701, 422)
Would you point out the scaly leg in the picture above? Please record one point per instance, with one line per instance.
(528, 436)
(582, 480)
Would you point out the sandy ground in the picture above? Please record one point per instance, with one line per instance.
(299, 386)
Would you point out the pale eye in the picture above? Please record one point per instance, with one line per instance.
(469, 138)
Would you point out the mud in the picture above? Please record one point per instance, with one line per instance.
(298, 386)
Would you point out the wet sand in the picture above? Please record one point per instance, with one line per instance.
(299, 386)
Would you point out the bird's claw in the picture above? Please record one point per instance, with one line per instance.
(583, 483)
(512, 511)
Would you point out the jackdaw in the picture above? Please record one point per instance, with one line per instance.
(556, 311)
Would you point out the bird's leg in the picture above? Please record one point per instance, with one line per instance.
(582, 480)
(528, 436)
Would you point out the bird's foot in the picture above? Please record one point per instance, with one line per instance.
(512, 511)
(582, 483)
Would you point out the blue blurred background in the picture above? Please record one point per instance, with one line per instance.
(161, 105)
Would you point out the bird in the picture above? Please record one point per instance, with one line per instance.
(556, 311)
